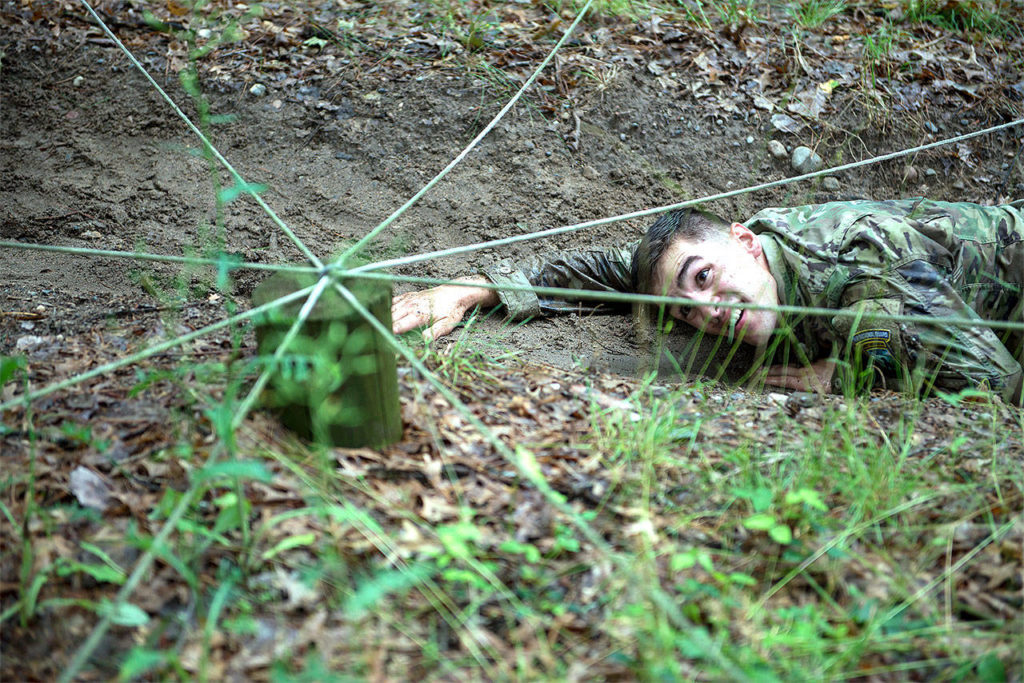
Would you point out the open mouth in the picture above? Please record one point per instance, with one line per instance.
(734, 321)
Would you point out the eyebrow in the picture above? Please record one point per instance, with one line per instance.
(686, 266)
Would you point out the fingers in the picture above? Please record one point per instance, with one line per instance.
(431, 308)
(441, 327)
(787, 377)
(817, 377)
(411, 310)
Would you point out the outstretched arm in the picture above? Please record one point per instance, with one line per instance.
(439, 308)
(442, 308)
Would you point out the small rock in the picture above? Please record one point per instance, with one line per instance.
(930, 172)
(805, 160)
(344, 156)
(92, 235)
(258, 90)
(79, 80)
(750, 139)
(204, 33)
(589, 173)
(959, 186)
(830, 184)
(28, 343)
(777, 149)
(932, 128)
(910, 174)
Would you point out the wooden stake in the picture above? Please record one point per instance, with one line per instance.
(337, 384)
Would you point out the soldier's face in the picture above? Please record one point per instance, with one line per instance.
(728, 270)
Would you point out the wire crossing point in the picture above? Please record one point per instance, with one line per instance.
(337, 383)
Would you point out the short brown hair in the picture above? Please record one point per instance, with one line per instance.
(692, 224)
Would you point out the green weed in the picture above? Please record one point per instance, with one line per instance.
(738, 12)
(958, 15)
(469, 358)
(814, 13)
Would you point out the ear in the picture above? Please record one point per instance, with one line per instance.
(747, 239)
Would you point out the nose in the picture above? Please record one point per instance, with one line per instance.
(709, 316)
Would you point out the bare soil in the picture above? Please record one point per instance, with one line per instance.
(92, 157)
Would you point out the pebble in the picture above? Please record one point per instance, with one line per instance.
(777, 149)
(932, 128)
(830, 184)
(258, 90)
(959, 186)
(910, 174)
(750, 139)
(79, 80)
(930, 172)
(92, 235)
(589, 173)
(29, 342)
(805, 160)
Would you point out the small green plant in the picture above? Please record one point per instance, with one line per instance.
(778, 520)
(468, 358)
(814, 13)
(957, 15)
(738, 12)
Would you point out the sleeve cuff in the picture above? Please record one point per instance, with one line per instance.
(521, 304)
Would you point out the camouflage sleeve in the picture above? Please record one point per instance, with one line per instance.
(589, 269)
(918, 356)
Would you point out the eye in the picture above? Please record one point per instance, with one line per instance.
(702, 276)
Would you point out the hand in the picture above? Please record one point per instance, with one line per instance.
(817, 377)
(442, 308)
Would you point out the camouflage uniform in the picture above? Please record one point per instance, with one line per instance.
(901, 257)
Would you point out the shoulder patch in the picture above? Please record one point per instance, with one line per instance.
(872, 346)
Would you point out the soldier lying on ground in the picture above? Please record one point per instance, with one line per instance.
(876, 258)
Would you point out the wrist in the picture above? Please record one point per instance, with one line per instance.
(476, 296)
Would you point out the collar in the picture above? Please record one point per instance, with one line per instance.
(784, 281)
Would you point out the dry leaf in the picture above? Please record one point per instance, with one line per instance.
(90, 489)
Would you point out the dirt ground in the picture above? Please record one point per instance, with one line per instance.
(92, 157)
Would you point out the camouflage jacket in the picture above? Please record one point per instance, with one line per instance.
(911, 257)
